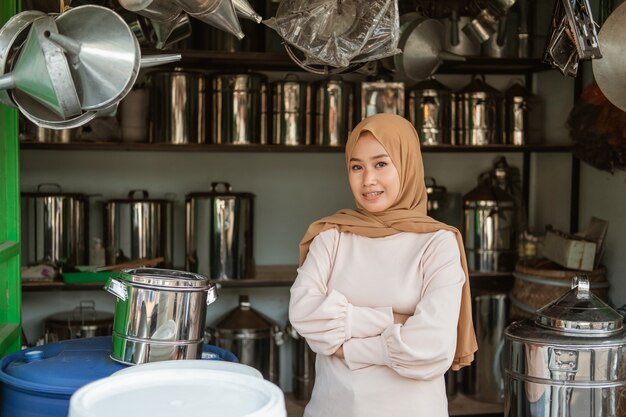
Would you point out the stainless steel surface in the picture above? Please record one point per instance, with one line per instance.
(292, 102)
(464, 46)
(303, 365)
(556, 371)
(244, 9)
(486, 374)
(239, 108)
(57, 136)
(177, 107)
(159, 10)
(489, 229)
(138, 228)
(382, 97)
(430, 104)
(251, 336)
(54, 226)
(155, 322)
(218, 13)
(477, 113)
(219, 227)
(84, 321)
(334, 111)
(522, 115)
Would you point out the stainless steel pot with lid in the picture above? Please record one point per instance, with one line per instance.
(303, 365)
(83, 321)
(478, 112)
(292, 102)
(334, 111)
(251, 336)
(159, 314)
(430, 111)
(570, 361)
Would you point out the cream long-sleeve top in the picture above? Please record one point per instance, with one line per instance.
(345, 294)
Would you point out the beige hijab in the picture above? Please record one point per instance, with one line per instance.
(407, 214)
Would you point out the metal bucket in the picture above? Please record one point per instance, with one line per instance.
(83, 321)
(138, 228)
(303, 366)
(430, 105)
(177, 107)
(239, 108)
(219, 229)
(54, 226)
(334, 111)
(251, 336)
(159, 314)
(291, 111)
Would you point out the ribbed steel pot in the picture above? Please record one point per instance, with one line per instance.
(160, 314)
(83, 321)
(291, 111)
(430, 111)
(568, 362)
(478, 112)
(334, 111)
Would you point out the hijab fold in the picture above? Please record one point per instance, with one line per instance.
(407, 214)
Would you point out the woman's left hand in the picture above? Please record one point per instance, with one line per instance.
(339, 352)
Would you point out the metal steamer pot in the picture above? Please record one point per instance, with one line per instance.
(303, 365)
(54, 226)
(430, 111)
(251, 336)
(291, 111)
(83, 321)
(522, 115)
(160, 314)
(219, 228)
(334, 111)
(569, 361)
(138, 228)
(239, 108)
(478, 108)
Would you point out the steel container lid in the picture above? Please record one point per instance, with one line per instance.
(431, 85)
(166, 279)
(54, 190)
(245, 320)
(215, 192)
(230, 82)
(145, 198)
(485, 195)
(478, 86)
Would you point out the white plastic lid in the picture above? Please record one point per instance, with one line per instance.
(197, 364)
(179, 392)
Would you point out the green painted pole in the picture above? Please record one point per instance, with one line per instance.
(10, 284)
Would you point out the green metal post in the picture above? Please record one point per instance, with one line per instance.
(10, 284)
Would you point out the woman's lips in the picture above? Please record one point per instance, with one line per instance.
(372, 195)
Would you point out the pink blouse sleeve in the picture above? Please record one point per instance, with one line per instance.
(422, 348)
(325, 318)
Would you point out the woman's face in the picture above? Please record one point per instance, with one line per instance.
(374, 179)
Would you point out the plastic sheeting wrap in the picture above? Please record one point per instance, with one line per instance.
(339, 32)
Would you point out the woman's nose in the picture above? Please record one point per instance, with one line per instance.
(369, 178)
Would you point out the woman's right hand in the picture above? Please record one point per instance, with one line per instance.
(399, 318)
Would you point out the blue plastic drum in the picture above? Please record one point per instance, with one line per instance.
(39, 381)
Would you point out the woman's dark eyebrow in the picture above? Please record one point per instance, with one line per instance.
(384, 155)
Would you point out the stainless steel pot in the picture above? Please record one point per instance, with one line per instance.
(54, 227)
(83, 321)
(219, 227)
(159, 314)
(239, 108)
(57, 135)
(478, 111)
(489, 227)
(569, 361)
(177, 107)
(430, 104)
(303, 366)
(292, 102)
(522, 115)
(251, 336)
(138, 228)
(382, 97)
(334, 111)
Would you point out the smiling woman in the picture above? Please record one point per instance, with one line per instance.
(382, 294)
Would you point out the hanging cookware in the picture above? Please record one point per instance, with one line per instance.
(239, 108)
(138, 228)
(54, 227)
(218, 13)
(569, 360)
(177, 107)
(430, 104)
(291, 111)
(42, 134)
(219, 226)
(303, 365)
(489, 228)
(251, 336)
(456, 41)
(83, 321)
(478, 112)
(334, 111)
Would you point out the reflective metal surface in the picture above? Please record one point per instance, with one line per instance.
(334, 111)
(477, 114)
(291, 110)
(178, 107)
(83, 321)
(382, 97)
(154, 322)
(159, 10)
(219, 233)
(54, 227)
(138, 228)
(522, 116)
(239, 108)
(430, 104)
(303, 366)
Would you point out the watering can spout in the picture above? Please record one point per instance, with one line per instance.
(66, 43)
(7, 82)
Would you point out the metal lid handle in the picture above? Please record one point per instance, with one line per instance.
(582, 282)
(51, 184)
(225, 184)
(131, 194)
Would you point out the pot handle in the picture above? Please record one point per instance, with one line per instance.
(212, 294)
(216, 184)
(52, 184)
(117, 288)
(131, 194)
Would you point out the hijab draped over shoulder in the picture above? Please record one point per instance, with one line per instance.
(407, 214)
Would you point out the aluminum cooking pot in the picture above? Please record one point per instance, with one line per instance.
(54, 226)
(334, 111)
(83, 321)
(478, 113)
(291, 111)
(303, 365)
(430, 111)
(569, 361)
(159, 314)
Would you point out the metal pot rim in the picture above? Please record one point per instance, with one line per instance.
(166, 279)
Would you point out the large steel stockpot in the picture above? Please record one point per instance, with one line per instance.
(159, 314)
(569, 362)
(303, 365)
(251, 336)
(292, 102)
(478, 113)
(138, 228)
(54, 226)
(83, 321)
(239, 108)
(334, 111)
(219, 227)
(430, 111)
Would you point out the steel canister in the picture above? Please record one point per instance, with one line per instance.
(239, 108)
(522, 115)
(291, 111)
(430, 111)
(334, 111)
(478, 114)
